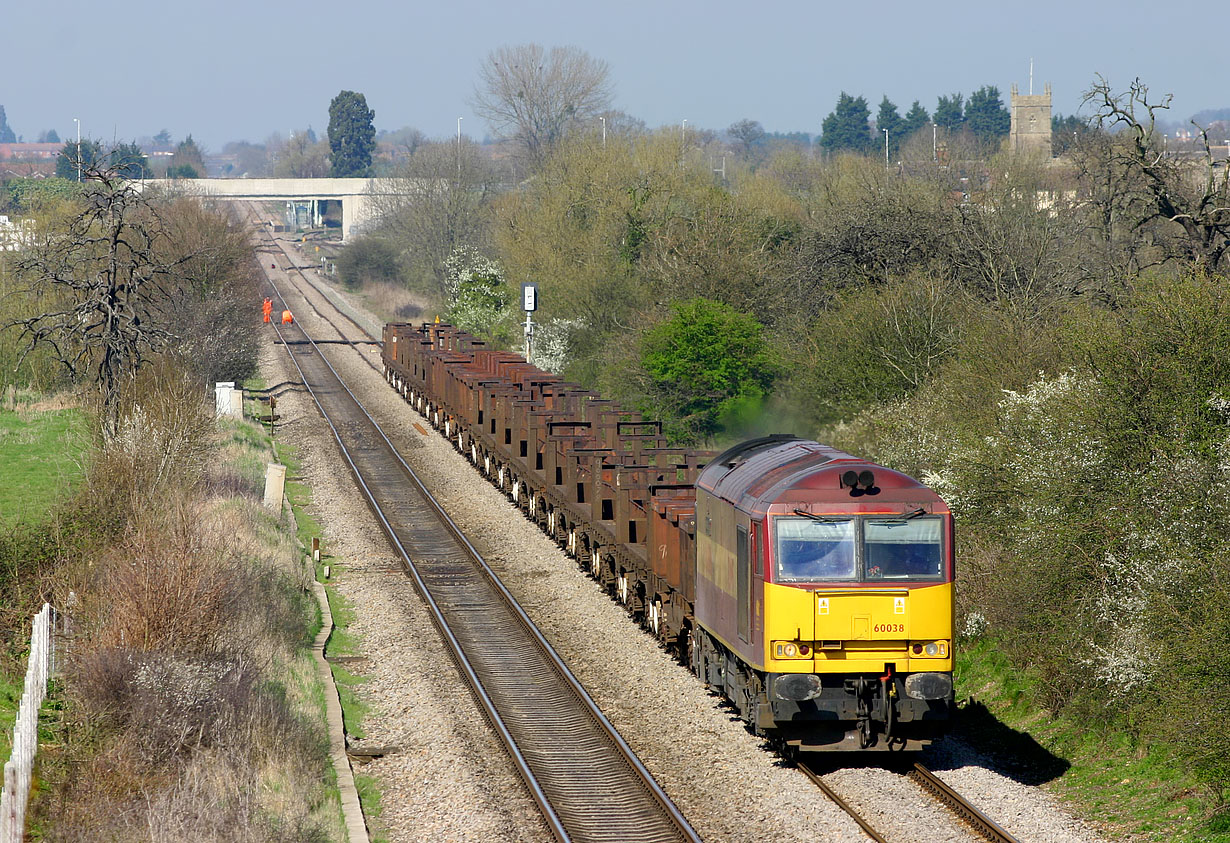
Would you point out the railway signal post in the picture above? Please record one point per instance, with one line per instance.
(529, 303)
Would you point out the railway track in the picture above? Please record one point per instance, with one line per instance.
(966, 811)
(932, 785)
(586, 780)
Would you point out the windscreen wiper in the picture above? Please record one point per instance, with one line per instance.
(902, 518)
(824, 519)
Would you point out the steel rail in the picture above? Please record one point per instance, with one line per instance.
(841, 803)
(291, 265)
(281, 248)
(981, 824)
(567, 822)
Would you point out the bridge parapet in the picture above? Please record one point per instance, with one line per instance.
(355, 195)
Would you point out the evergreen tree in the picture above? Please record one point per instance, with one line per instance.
(352, 135)
(67, 164)
(915, 118)
(188, 162)
(888, 118)
(49, 136)
(129, 161)
(6, 134)
(847, 126)
(986, 116)
(949, 113)
(1065, 132)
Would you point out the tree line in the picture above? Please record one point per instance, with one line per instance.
(1035, 338)
(847, 128)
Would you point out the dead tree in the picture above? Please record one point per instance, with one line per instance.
(104, 286)
(1192, 193)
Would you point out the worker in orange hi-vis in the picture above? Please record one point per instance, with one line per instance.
(287, 318)
(267, 309)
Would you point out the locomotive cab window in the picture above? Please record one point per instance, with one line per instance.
(903, 549)
(808, 551)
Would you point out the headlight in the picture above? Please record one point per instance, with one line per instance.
(796, 686)
(928, 686)
(791, 650)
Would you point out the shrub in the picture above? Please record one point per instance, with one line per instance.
(369, 260)
(705, 366)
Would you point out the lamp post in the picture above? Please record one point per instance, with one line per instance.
(683, 131)
(886, 149)
(78, 122)
(459, 150)
(603, 119)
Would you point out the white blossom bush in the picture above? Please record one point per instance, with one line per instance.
(553, 343)
(974, 626)
(479, 300)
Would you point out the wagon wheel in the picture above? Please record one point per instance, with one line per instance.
(655, 618)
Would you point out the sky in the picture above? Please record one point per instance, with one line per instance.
(226, 70)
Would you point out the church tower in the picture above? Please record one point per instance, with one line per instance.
(1031, 122)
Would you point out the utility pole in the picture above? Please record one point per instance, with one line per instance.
(603, 119)
(886, 165)
(458, 150)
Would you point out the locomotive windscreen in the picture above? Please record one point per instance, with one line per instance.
(810, 550)
(904, 550)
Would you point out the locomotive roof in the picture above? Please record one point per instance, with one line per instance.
(756, 474)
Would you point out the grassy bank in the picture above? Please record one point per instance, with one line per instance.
(191, 707)
(1126, 788)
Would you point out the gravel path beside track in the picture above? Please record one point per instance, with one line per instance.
(450, 780)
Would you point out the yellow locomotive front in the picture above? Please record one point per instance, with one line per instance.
(825, 596)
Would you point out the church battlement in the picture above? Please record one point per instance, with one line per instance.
(1030, 132)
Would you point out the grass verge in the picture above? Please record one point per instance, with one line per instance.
(342, 642)
(1126, 789)
(41, 455)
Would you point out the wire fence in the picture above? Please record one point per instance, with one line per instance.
(20, 766)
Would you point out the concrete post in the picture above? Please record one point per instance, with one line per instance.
(275, 486)
(222, 398)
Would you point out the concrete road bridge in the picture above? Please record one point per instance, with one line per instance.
(358, 197)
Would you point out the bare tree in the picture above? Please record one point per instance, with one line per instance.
(1191, 193)
(748, 139)
(302, 157)
(446, 207)
(535, 97)
(106, 285)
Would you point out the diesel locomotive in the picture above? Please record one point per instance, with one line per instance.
(811, 588)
